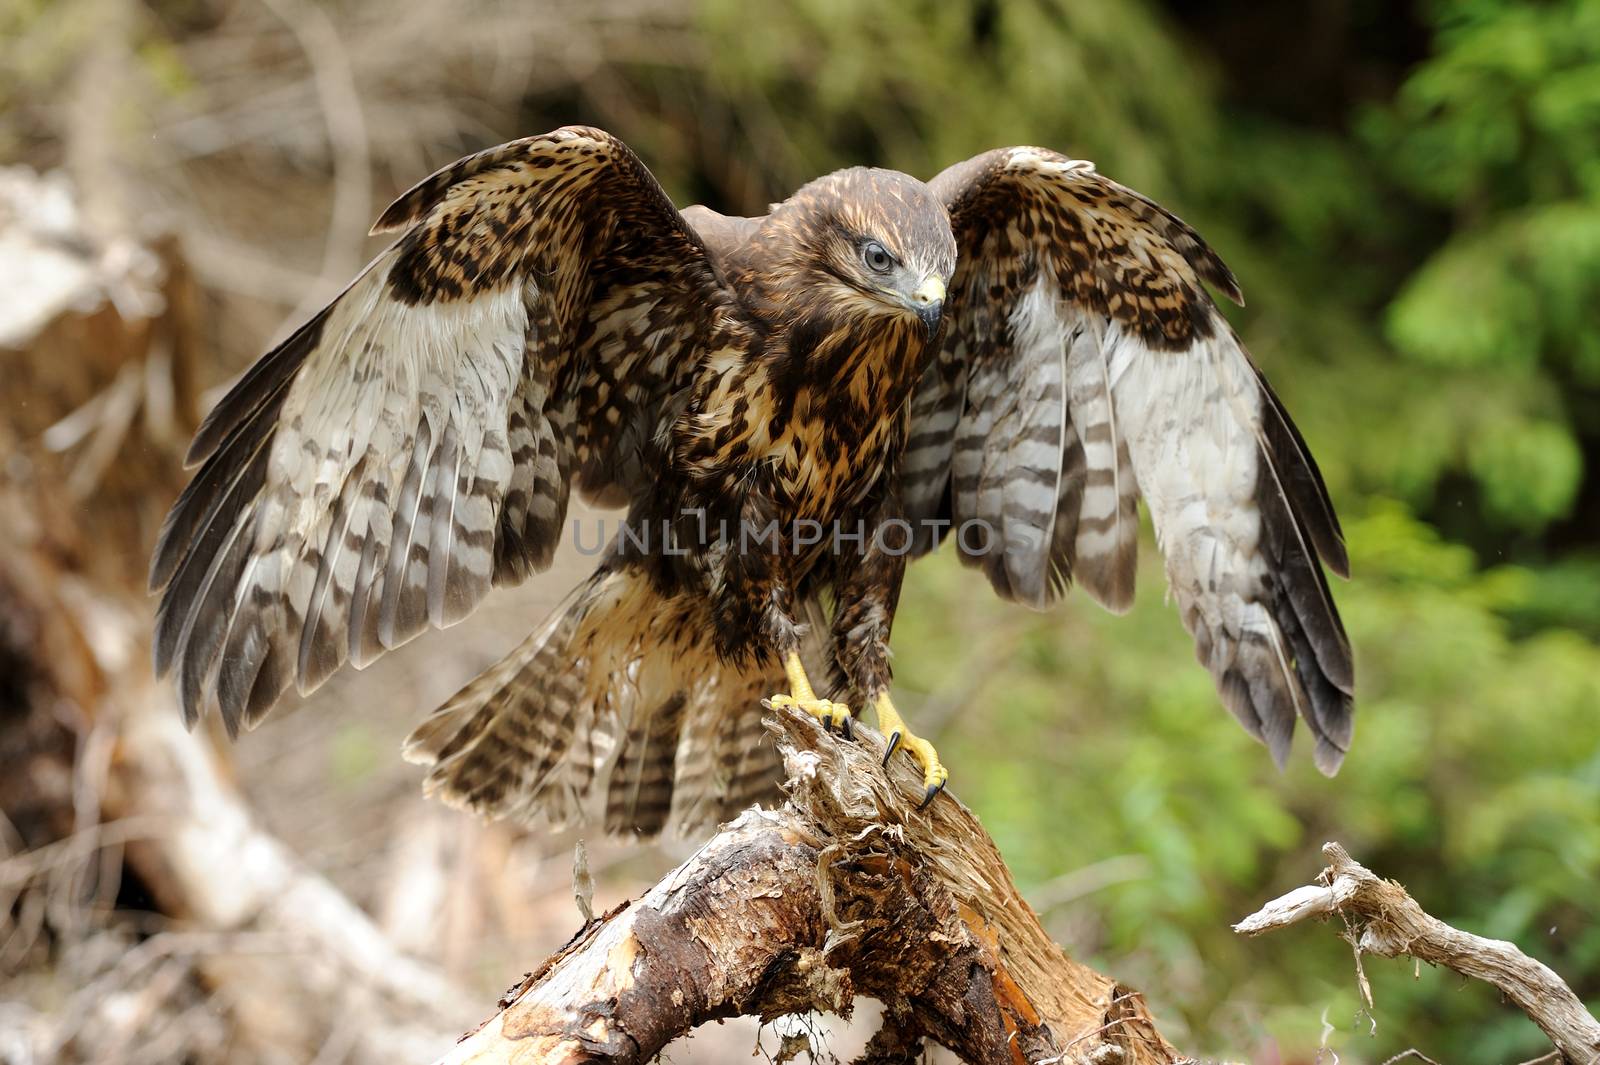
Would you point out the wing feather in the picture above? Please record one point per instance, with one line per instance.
(1103, 553)
(1098, 371)
(412, 444)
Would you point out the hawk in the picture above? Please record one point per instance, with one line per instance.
(789, 408)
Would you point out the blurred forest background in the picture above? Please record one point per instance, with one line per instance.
(1409, 193)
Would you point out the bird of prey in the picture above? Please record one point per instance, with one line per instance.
(789, 408)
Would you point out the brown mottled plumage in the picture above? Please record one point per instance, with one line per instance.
(548, 320)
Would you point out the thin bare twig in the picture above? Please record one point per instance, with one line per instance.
(1381, 918)
(1414, 1054)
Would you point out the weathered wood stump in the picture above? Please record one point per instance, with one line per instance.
(846, 890)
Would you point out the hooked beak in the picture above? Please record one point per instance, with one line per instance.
(928, 302)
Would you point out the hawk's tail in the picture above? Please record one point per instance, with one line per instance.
(621, 695)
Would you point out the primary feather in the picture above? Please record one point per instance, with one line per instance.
(413, 444)
(1061, 267)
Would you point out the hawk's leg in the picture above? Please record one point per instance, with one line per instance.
(868, 585)
(832, 715)
(767, 600)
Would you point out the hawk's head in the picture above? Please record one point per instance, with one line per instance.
(870, 242)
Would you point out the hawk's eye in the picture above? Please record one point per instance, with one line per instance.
(877, 257)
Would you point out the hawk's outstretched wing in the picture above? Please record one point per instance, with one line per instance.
(1085, 366)
(414, 442)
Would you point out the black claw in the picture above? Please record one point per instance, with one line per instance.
(894, 745)
(847, 730)
(933, 789)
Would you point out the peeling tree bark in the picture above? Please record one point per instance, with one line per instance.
(846, 890)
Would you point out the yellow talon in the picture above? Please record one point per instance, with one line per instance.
(837, 716)
(899, 737)
(832, 715)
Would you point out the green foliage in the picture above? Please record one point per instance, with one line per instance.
(1501, 129)
(913, 82)
(1422, 273)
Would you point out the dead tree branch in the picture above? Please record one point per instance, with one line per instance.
(1383, 919)
(846, 890)
(240, 950)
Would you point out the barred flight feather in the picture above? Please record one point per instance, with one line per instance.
(510, 742)
(1115, 376)
(727, 760)
(935, 417)
(413, 443)
(619, 697)
(1105, 543)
